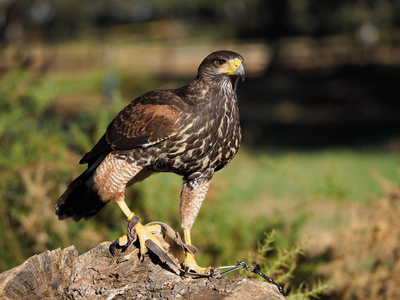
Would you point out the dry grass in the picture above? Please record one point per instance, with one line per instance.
(365, 262)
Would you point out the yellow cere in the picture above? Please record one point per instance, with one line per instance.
(237, 63)
(233, 65)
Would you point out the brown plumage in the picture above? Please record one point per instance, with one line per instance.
(192, 131)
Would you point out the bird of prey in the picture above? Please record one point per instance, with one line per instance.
(192, 131)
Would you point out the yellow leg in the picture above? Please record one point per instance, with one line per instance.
(187, 236)
(142, 232)
(190, 262)
(122, 204)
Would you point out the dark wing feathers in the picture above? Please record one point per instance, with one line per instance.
(143, 122)
(142, 125)
(102, 148)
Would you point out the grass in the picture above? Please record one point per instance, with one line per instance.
(330, 174)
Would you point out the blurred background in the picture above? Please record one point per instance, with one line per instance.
(320, 159)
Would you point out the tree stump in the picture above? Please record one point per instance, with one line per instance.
(96, 274)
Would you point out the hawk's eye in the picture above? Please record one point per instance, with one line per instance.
(220, 62)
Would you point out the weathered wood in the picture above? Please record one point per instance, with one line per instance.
(62, 274)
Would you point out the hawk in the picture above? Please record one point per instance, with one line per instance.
(192, 131)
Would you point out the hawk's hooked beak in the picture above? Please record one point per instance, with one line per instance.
(240, 72)
(235, 67)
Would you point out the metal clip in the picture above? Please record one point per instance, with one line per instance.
(241, 265)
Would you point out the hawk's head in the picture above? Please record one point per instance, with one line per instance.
(222, 65)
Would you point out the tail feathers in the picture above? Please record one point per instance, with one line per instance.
(79, 201)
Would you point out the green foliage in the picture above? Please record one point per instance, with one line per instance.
(36, 148)
(303, 292)
(28, 139)
(275, 262)
(281, 265)
(25, 133)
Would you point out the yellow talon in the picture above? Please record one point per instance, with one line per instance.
(143, 235)
(192, 265)
(141, 231)
(123, 240)
(190, 262)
